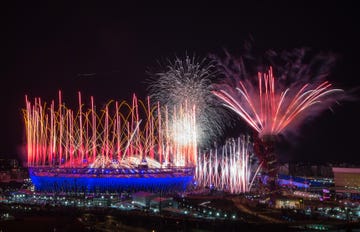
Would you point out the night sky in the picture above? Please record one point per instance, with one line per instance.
(106, 51)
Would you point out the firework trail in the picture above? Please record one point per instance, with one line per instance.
(187, 81)
(231, 168)
(120, 135)
(274, 105)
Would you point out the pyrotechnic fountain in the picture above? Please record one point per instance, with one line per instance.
(129, 144)
(231, 168)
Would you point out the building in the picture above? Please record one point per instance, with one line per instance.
(11, 171)
(307, 169)
(347, 181)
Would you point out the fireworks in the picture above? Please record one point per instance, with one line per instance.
(122, 135)
(188, 82)
(270, 107)
(271, 111)
(186, 115)
(230, 168)
(274, 105)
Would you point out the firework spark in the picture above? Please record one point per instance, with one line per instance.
(188, 81)
(230, 168)
(269, 106)
(116, 137)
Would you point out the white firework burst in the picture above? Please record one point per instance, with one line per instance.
(188, 81)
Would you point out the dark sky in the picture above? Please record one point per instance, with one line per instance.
(45, 48)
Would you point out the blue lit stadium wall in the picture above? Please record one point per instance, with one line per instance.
(110, 184)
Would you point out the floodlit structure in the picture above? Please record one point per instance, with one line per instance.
(122, 147)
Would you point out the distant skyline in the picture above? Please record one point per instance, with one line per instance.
(106, 51)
